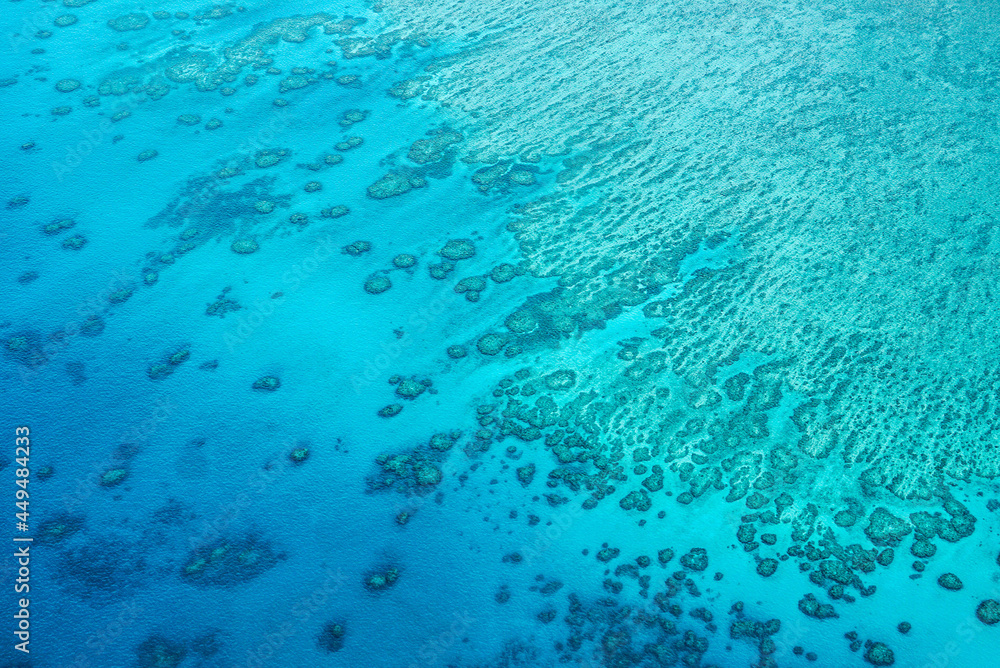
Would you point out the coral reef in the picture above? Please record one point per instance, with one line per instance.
(267, 383)
(331, 637)
(126, 22)
(226, 563)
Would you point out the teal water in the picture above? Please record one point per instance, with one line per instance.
(512, 334)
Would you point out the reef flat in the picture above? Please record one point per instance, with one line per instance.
(593, 333)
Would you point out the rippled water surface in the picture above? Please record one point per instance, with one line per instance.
(488, 334)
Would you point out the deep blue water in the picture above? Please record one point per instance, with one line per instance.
(515, 334)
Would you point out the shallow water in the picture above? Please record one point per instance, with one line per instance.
(691, 280)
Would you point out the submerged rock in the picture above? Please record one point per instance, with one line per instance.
(458, 249)
(491, 344)
(244, 246)
(380, 579)
(377, 284)
(331, 637)
(357, 248)
(884, 528)
(158, 652)
(267, 383)
(392, 410)
(75, 242)
(767, 567)
(394, 184)
(410, 389)
(950, 581)
(878, 654)
(113, 477)
(988, 611)
(226, 563)
(57, 226)
(336, 211)
(134, 21)
(813, 608)
(503, 273)
(696, 559)
(404, 261)
(561, 380)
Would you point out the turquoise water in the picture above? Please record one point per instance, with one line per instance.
(515, 334)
